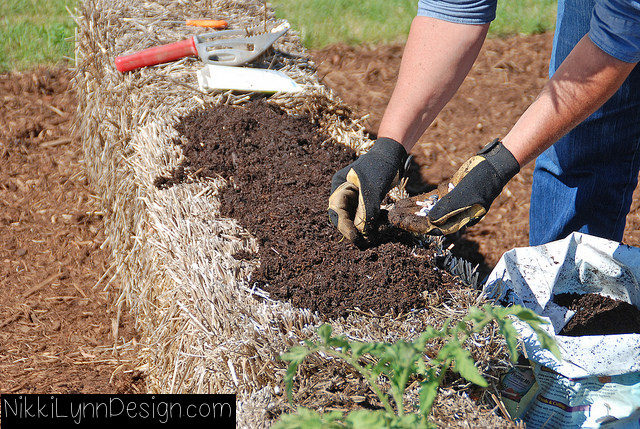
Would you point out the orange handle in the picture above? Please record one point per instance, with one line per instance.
(157, 55)
(207, 23)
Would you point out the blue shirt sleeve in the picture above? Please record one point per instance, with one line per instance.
(615, 28)
(459, 11)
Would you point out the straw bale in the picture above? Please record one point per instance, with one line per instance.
(204, 327)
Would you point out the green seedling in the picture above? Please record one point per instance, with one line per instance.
(403, 361)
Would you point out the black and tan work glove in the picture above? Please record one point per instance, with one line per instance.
(463, 201)
(358, 189)
(476, 184)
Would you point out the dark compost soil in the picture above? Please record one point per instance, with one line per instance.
(57, 330)
(280, 168)
(598, 315)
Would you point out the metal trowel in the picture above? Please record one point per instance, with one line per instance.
(227, 48)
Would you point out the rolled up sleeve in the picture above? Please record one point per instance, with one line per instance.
(459, 11)
(615, 28)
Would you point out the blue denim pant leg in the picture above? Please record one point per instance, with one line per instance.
(585, 181)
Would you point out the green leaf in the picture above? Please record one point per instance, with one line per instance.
(296, 354)
(465, 365)
(547, 342)
(511, 337)
(304, 418)
(358, 348)
(478, 317)
(379, 349)
(448, 350)
(381, 366)
(528, 316)
(339, 343)
(364, 419)
(534, 321)
(429, 334)
(292, 369)
(428, 394)
(421, 367)
(462, 327)
(406, 353)
(476, 314)
(445, 327)
(408, 421)
(324, 332)
(496, 310)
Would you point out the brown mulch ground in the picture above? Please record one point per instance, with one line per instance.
(280, 168)
(57, 332)
(504, 81)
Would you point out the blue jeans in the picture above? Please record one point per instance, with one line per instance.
(585, 181)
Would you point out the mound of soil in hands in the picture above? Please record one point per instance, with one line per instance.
(598, 315)
(280, 170)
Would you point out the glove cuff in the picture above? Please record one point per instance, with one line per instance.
(501, 159)
(392, 151)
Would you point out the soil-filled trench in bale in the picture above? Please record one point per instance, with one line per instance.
(279, 168)
(598, 315)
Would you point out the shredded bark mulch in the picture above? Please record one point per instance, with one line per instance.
(57, 325)
(280, 169)
(598, 315)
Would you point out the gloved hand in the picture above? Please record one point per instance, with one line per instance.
(477, 183)
(358, 189)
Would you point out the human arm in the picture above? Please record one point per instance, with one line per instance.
(436, 59)
(584, 81)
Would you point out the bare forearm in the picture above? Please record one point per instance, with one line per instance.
(437, 57)
(586, 79)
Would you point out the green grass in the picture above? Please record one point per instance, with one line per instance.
(524, 17)
(323, 22)
(35, 32)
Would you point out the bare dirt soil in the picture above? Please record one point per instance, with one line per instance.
(280, 169)
(57, 332)
(505, 79)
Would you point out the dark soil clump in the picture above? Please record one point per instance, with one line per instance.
(177, 176)
(598, 315)
(279, 169)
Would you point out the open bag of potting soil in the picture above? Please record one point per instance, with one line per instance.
(597, 382)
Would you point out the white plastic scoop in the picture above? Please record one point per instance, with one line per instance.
(215, 77)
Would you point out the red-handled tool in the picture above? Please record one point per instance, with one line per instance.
(157, 55)
(205, 23)
(226, 47)
(218, 24)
